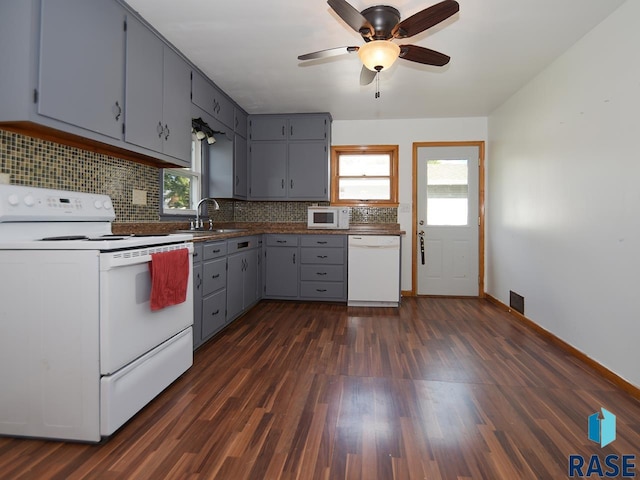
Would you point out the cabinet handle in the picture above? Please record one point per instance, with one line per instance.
(159, 129)
(215, 313)
(237, 180)
(199, 281)
(294, 258)
(217, 250)
(321, 289)
(283, 183)
(322, 256)
(167, 131)
(281, 241)
(117, 105)
(292, 184)
(292, 130)
(215, 276)
(283, 130)
(195, 254)
(319, 242)
(321, 273)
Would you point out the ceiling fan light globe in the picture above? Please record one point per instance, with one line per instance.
(378, 55)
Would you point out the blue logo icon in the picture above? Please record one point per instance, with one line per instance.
(602, 427)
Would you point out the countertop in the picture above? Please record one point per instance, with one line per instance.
(255, 229)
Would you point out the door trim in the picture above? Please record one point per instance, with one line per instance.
(414, 210)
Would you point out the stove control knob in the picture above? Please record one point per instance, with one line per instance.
(97, 204)
(29, 201)
(13, 200)
(107, 205)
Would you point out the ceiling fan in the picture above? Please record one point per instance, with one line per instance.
(380, 24)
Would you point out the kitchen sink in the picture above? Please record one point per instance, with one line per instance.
(200, 233)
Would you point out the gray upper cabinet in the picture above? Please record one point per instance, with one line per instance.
(81, 64)
(268, 170)
(240, 167)
(308, 170)
(158, 111)
(268, 127)
(289, 157)
(240, 125)
(209, 98)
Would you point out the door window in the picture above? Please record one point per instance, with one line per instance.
(447, 192)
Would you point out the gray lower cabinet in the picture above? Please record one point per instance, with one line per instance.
(242, 275)
(281, 266)
(197, 295)
(306, 267)
(210, 289)
(323, 267)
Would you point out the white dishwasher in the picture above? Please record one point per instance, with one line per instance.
(374, 271)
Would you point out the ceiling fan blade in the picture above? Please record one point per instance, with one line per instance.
(351, 16)
(426, 18)
(367, 76)
(330, 52)
(414, 53)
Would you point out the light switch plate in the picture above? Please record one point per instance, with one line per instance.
(139, 197)
(5, 178)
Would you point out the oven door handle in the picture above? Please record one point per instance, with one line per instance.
(123, 258)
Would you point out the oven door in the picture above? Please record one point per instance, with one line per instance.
(128, 326)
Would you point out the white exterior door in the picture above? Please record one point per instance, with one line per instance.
(448, 218)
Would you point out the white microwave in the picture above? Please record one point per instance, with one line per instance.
(328, 217)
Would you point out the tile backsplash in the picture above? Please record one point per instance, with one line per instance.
(41, 163)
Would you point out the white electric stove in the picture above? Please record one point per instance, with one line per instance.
(81, 351)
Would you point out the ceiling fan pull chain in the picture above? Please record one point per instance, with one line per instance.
(377, 84)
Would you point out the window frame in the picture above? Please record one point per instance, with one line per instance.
(196, 174)
(391, 150)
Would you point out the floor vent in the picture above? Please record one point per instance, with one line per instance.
(516, 302)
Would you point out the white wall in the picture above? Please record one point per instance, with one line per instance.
(404, 133)
(563, 203)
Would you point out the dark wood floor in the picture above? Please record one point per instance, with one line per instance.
(441, 388)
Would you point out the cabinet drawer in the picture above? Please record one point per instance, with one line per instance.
(215, 275)
(198, 252)
(240, 244)
(322, 240)
(324, 273)
(282, 240)
(213, 313)
(322, 290)
(320, 255)
(214, 250)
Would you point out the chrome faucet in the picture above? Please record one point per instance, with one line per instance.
(199, 223)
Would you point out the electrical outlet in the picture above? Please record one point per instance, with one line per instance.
(139, 197)
(5, 178)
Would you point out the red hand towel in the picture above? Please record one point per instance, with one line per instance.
(169, 278)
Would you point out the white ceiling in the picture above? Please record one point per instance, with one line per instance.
(249, 49)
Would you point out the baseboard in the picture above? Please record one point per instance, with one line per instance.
(602, 370)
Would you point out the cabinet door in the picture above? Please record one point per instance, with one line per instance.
(281, 272)
(239, 167)
(308, 127)
(197, 304)
(176, 107)
(82, 64)
(250, 278)
(213, 308)
(240, 124)
(268, 170)
(145, 57)
(308, 171)
(268, 127)
(235, 279)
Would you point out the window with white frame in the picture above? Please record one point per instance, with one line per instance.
(181, 187)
